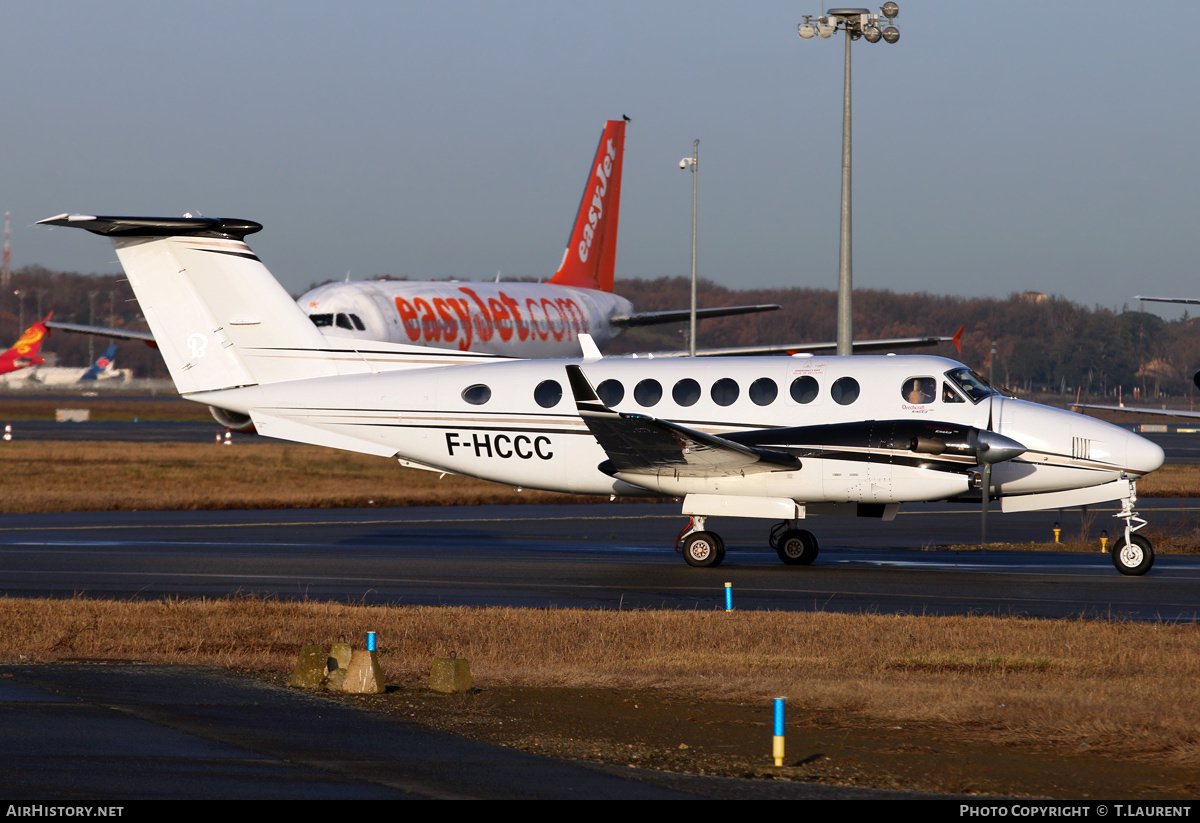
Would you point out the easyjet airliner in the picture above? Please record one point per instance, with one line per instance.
(511, 319)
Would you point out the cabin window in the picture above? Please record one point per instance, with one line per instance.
(610, 392)
(763, 391)
(949, 395)
(648, 392)
(477, 394)
(844, 391)
(919, 391)
(686, 392)
(725, 391)
(548, 393)
(805, 389)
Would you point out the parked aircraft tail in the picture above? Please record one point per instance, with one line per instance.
(104, 363)
(591, 253)
(24, 352)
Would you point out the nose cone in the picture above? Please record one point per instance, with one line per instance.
(1142, 456)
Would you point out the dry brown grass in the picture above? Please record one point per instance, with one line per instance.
(68, 477)
(1114, 687)
(1171, 481)
(104, 409)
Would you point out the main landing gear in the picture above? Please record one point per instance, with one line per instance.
(700, 548)
(1131, 553)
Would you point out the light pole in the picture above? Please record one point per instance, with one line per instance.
(856, 23)
(693, 162)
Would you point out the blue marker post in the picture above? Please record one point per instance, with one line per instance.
(778, 747)
(370, 641)
(728, 597)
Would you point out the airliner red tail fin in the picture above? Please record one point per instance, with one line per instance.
(24, 351)
(591, 254)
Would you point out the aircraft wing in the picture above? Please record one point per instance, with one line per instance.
(1132, 414)
(651, 318)
(103, 331)
(1192, 300)
(860, 347)
(640, 444)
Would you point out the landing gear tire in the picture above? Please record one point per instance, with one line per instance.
(797, 547)
(1135, 558)
(703, 549)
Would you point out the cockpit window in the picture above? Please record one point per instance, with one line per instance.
(919, 390)
(321, 320)
(949, 395)
(971, 384)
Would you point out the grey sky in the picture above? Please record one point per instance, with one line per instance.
(1048, 147)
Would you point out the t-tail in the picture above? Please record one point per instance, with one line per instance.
(590, 258)
(220, 319)
(104, 363)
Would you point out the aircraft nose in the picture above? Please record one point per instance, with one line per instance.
(1142, 456)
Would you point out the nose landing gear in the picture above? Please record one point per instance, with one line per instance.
(1131, 553)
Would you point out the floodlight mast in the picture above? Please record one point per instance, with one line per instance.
(857, 23)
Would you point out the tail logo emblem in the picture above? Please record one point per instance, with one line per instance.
(197, 344)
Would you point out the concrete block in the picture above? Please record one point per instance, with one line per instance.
(310, 668)
(450, 675)
(363, 675)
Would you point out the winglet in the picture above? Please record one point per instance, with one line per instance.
(957, 338)
(586, 399)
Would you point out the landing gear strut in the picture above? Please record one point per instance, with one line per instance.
(1131, 553)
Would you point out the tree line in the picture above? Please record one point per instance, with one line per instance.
(1026, 342)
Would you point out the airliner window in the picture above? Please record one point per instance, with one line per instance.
(343, 322)
(648, 392)
(725, 391)
(548, 393)
(844, 390)
(972, 385)
(805, 389)
(610, 392)
(763, 391)
(321, 320)
(919, 390)
(686, 392)
(477, 395)
(949, 395)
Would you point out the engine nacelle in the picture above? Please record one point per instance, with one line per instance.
(236, 421)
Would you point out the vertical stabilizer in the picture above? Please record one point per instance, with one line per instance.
(590, 259)
(218, 316)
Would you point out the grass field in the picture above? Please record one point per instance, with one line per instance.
(1117, 688)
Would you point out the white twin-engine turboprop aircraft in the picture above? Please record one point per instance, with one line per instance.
(767, 437)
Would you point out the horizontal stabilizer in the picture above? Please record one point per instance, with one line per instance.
(156, 226)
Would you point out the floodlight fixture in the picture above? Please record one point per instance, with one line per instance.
(858, 24)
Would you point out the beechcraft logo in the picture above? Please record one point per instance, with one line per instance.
(197, 344)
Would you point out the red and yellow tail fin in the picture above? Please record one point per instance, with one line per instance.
(591, 255)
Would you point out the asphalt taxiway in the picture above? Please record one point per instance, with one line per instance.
(589, 556)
